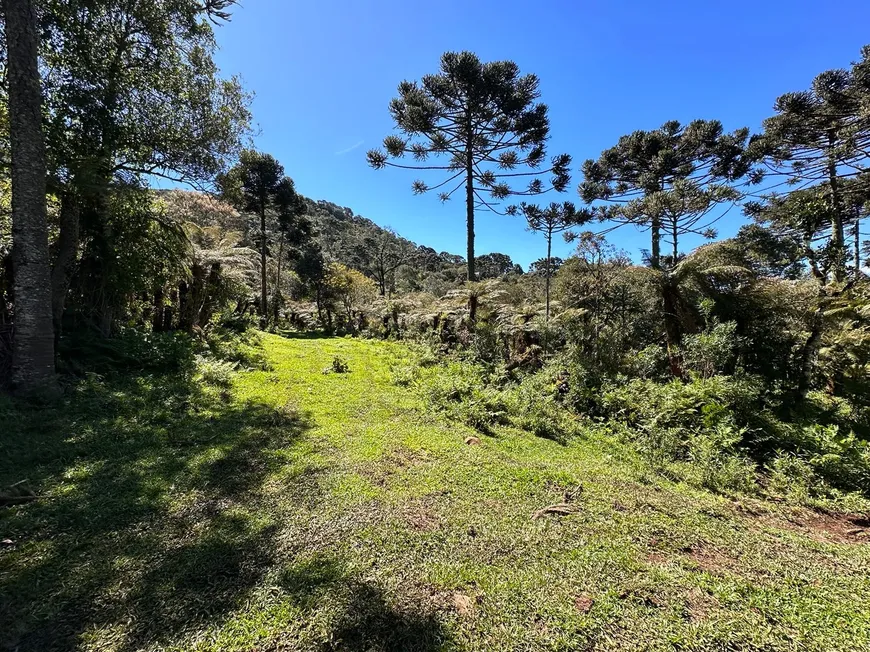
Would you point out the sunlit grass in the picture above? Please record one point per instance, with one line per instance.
(334, 511)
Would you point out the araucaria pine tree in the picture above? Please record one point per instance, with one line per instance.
(555, 218)
(669, 180)
(485, 120)
(822, 137)
(257, 185)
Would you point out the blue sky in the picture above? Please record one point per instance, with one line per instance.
(324, 72)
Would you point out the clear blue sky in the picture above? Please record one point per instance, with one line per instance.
(324, 72)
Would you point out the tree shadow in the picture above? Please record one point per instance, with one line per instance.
(372, 623)
(153, 516)
(307, 335)
(368, 619)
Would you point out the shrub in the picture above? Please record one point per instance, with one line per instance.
(717, 461)
(215, 372)
(535, 407)
(339, 365)
(130, 349)
(712, 351)
(792, 478)
(460, 390)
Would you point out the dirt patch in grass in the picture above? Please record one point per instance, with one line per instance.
(382, 471)
(420, 516)
(699, 605)
(819, 525)
(709, 558)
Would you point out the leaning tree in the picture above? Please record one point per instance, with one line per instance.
(483, 123)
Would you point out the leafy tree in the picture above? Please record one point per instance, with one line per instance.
(351, 288)
(555, 218)
(495, 265)
(668, 180)
(33, 345)
(540, 266)
(132, 92)
(809, 220)
(294, 229)
(485, 119)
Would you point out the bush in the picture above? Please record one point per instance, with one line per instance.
(535, 407)
(129, 350)
(215, 372)
(712, 351)
(460, 390)
(717, 461)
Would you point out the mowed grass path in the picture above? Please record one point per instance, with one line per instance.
(297, 510)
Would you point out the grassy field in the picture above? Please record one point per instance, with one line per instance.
(303, 510)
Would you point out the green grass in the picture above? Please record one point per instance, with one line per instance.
(303, 510)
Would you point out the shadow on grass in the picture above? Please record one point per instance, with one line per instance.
(155, 525)
(366, 619)
(153, 516)
(307, 335)
(372, 622)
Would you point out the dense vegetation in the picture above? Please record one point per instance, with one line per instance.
(737, 369)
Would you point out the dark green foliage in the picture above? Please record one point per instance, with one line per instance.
(483, 118)
(668, 180)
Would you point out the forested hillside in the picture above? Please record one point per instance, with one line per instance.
(236, 418)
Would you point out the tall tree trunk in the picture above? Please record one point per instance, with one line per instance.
(157, 317)
(278, 281)
(837, 233)
(264, 299)
(33, 338)
(655, 253)
(857, 233)
(469, 201)
(547, 282)
(67, 249)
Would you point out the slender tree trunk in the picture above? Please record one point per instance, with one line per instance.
(547, 282)
(837, 233)
(675, 251)
(264, 299)
(33, 337)
(469, 198)
(157, 317)
(469, 220)
(857, 233)
(278, 278)
(64, 262)
(655, 253)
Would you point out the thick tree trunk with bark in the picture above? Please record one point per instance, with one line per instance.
(33, 343)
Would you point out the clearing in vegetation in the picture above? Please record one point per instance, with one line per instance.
(317, 505)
